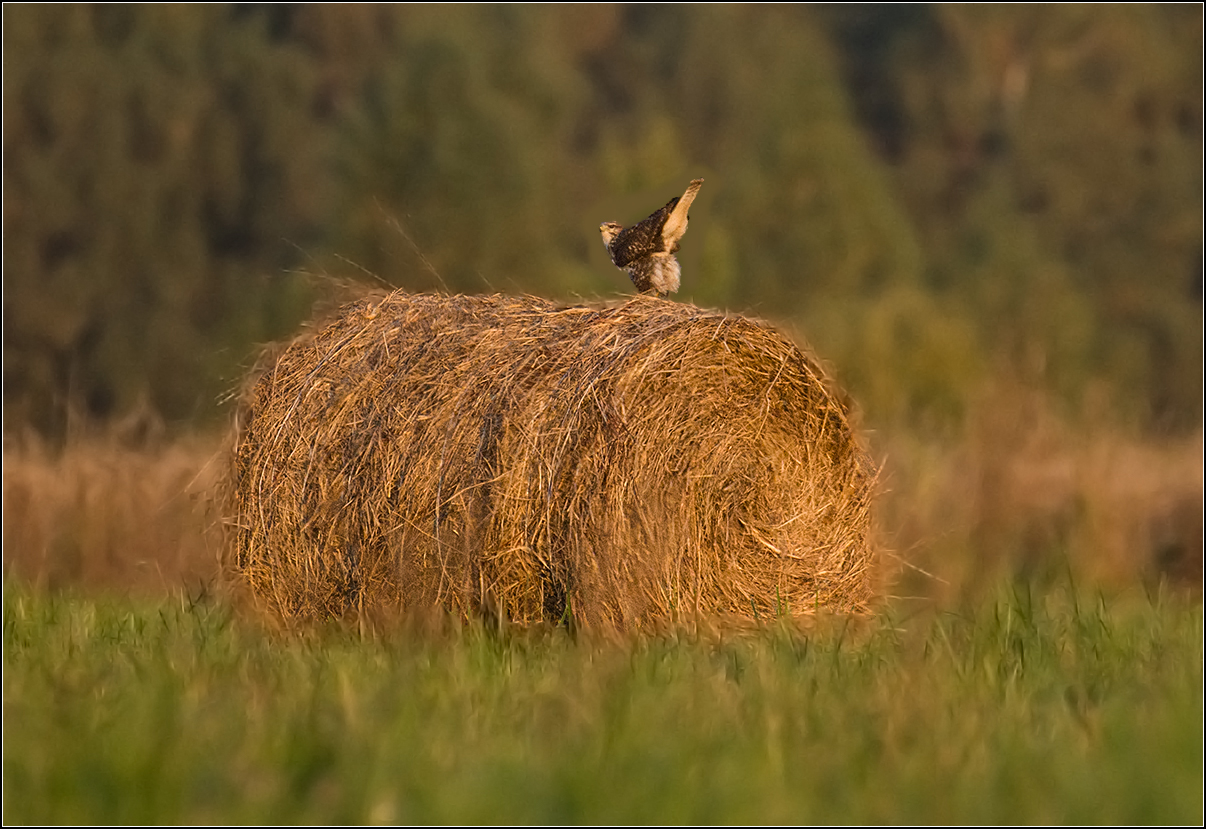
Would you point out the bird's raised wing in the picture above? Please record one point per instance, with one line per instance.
(642, 239)
(675, 223)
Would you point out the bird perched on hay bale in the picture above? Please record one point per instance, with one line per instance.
(646, 250)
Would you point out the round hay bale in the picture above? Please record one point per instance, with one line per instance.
(622, 466)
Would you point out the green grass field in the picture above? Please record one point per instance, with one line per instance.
(1032, 708)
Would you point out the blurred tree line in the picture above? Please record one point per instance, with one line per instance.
(928, 194)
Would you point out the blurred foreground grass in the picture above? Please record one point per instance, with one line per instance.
(1061, 707)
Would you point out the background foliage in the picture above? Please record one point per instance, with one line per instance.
(933, 196)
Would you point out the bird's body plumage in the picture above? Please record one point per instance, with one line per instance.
(646, 250)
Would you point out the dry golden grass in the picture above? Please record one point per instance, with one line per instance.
(1024, 491)
(624, 465)
(99, 513)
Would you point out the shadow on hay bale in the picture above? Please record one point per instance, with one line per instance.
(621, 466)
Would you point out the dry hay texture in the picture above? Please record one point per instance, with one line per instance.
(621, 466)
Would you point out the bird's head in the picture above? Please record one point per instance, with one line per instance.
(610, 231)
